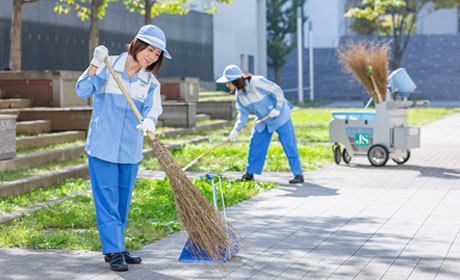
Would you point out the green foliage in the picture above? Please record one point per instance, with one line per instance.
(393, 17)
(159, 7)
(81, 7)
(72, 224)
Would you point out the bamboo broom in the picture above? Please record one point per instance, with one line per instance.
(197, 159)
(358, 58)
(207, 229)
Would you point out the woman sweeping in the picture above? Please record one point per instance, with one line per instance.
(265, 98)
(115, 136)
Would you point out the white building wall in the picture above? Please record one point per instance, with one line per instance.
(327, 20)
(239, 32)
(442, 21)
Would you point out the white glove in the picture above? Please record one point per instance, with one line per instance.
(233, 135)
(100, 53)
(146, 125)
(274, 113)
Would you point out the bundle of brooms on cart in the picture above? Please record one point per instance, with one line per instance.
(368, 62)
(211, 237)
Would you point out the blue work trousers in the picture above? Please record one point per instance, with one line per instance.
(260, 141)
(112, 185)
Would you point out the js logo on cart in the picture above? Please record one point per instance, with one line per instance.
(362, 139)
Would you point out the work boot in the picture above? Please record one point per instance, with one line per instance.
(118, 263)
(297, 179)
(247, 177)
(129, 258)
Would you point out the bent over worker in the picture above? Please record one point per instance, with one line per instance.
(114, 145)
(265, 98)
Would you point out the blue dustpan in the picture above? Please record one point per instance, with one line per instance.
(190, 254)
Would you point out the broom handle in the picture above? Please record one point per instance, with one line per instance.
(128, 98)
(379, 97)
(221, 143)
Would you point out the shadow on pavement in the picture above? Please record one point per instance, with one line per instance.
(425, 171)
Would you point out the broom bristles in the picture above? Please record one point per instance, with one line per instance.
(357, 57)
(207, 229)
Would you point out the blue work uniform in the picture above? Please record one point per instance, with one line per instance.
(114, 145)
(262, 96)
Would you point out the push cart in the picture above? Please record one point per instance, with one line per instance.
(382, 134)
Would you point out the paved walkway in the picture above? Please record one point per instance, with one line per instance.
(345, 222)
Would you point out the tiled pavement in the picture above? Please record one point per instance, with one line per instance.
(345, 222)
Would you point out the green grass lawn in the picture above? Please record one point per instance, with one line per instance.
(71, 224)
(312, 131)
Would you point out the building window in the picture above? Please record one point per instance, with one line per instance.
(243, 62)
(250, 63)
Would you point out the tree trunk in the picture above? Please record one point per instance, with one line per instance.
(94, 28)
(395, 61)
(15, 35)
(148, 12)
(278, 75)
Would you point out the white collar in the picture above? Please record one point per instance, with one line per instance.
(119, 67)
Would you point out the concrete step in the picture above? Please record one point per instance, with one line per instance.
(216, 124)
(49, 139)
(41, 158)
(57, 155)
(33, 127)
(202, 117)
(45, 180)
(213, 93)
(14, 103)
(52, 178)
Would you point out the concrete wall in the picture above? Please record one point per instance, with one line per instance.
(239, 32)
(433, 62)
(218, 109)
(437, 22)
(328, 22)
(7, 136)
(60, 42)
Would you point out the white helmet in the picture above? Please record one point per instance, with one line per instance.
(153, 35)
(231, 73)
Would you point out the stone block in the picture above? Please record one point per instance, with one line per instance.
(7, 136)
(178, 114)
(218, 109)
(180, 88)
(43, 88)
(69, 118)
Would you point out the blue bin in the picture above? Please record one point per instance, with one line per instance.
(354, 115)
(401, 82)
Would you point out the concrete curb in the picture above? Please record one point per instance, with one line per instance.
(7, 217)
(41, 158)
(45, 180)
(53, 178)
(49, 139)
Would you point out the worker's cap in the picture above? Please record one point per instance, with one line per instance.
(154, 36)
(231, 73)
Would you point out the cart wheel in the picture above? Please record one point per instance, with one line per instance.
(403, 159)
(337, 154)
(378, 155)
(345, 156)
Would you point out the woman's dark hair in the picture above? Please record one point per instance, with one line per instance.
(137, 46)
(240, 83)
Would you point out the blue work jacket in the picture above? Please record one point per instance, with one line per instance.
(262, 96)
(112, 133)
